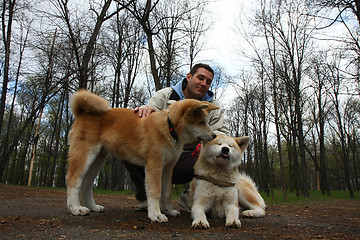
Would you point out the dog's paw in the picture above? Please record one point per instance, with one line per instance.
(98, 209)
(253, 213)
(233, 224)
(173, 213)
(158, 217)
(79, 210)
(200, 224)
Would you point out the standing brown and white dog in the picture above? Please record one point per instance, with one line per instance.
(218, 187)
(155, 142)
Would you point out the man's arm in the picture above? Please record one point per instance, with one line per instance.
(157, 102)
(217, 121)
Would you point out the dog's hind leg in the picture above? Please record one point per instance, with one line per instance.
(166, 190)
(250, 199)
(88, 181)
(80, 160)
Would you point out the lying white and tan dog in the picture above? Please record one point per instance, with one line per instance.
(155, 141)
(218, 187)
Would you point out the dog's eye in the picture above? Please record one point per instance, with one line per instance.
(202, 122)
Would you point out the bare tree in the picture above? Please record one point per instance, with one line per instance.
(352, 116)
(348, 14)
(281, 38)
(270, 69)
(336, 86)
(169, 14)
(123, 48)
(342, 7)
(7, 16)
(250, 109)
(195, 27)
(83, 58)
(164, 24)
(22, 47)
(319, 75)
(143, 14)
(238, 118)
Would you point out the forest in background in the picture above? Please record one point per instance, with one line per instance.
(297, 97)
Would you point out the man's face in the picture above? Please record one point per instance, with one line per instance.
(198, 84)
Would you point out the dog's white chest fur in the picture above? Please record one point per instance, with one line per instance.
(216, 198)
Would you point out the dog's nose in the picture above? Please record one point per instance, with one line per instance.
(214, 136)
(225, 150)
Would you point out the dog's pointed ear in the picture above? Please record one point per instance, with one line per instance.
(210, 106)
(243, 142)
(195, 111)
(199, 107)
(204, 105)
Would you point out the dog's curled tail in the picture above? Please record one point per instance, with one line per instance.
(84, 101)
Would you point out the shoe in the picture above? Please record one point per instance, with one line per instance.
(141, 206)
(185, 201)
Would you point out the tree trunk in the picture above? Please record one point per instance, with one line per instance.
(297, 178)
(11, 112)
(60, 182)
(34, 148)
(278, 140)
(344, 151)
(9, 9)
(324, 184)
(265, 155)
(91, 45)
(57, 122)
(143, 19)
(152, 57)
(300, 135)
(21, 177)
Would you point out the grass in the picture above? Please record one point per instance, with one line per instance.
(42, 187)
(315, 196)
(102, 191)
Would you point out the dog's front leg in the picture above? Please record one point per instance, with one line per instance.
(153, 174)
(201, 204)
(232, 216)
(166, 190)
(199, 217)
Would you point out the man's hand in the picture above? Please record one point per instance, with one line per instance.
(144, 111)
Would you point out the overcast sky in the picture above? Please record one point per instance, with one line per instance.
(221, 41)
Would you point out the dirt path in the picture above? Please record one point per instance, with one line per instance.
(28, 213)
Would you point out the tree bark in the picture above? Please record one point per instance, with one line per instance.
(6, 35)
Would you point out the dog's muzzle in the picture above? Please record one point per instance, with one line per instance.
(225, 153)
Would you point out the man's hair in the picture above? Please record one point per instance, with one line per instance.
(196, 67)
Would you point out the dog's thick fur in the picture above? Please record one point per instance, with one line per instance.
(99, 130)
(249, 198)
(218, 187)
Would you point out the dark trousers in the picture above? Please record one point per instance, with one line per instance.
(183, 172)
